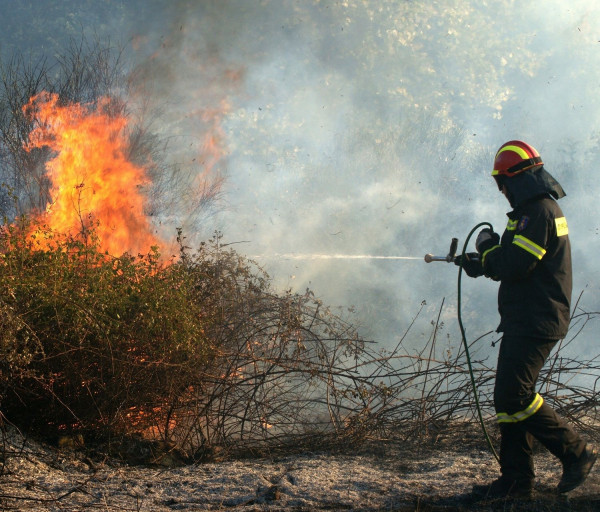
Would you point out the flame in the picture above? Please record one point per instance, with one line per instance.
(94, 186)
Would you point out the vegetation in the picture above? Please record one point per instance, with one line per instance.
(201, 354)
(196, 350)
(90, 341)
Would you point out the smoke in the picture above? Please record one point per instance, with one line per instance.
(369, 128)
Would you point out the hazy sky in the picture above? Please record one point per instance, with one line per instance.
(369, 127)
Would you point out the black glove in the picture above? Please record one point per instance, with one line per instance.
(470, 264)
(486, 239)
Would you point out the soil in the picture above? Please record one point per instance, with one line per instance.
(389, 475)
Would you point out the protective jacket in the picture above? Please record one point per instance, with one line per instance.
(533, 260)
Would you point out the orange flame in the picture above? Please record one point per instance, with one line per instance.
(94, 185)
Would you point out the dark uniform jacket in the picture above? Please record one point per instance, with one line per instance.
(533, 261)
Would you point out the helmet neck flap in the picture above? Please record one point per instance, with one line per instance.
(527, 185)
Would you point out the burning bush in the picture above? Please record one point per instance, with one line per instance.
(91, 341)
(198, 352)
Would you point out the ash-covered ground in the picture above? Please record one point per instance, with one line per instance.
(383, 475)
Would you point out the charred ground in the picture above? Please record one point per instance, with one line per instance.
(435, 474)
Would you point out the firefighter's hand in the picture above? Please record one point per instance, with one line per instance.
(470, 264)
(486, 239)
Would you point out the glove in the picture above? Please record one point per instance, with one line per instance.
(470, 264)
(486, 239)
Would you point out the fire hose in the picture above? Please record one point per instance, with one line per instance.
(449, 258)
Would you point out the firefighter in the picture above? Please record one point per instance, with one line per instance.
(532, 262)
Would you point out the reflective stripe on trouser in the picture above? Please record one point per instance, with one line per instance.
(516, 453)
(519, 362)
(531, 409)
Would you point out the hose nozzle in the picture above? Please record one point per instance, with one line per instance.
(449, 258)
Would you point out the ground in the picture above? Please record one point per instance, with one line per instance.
(392, 475)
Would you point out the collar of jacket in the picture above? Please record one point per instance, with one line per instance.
(531, 184)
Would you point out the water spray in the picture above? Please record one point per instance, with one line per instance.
(294, 256)
(449, 258)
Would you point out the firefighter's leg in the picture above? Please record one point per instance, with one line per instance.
(514, 391)
(555, 434)
(561, 440)
(517, 403)
(516, 455)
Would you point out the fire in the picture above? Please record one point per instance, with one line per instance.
(94, 186)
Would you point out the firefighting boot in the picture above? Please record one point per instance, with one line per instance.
(575, 473)
(504, 487)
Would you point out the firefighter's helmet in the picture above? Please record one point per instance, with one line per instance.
(515, 157)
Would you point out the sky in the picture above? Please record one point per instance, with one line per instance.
(369, 127)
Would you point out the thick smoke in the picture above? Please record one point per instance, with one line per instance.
(369, 127)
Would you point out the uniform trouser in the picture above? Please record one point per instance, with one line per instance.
(522, 413)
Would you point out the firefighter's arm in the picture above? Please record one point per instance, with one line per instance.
(517, 259)
(487, 242)
(508, 263)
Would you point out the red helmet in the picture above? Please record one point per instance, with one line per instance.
(514, 157)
